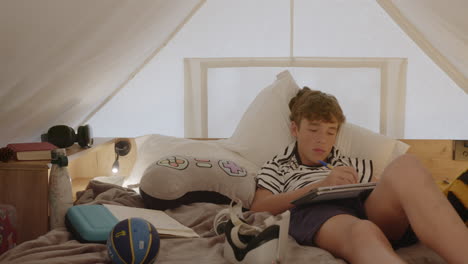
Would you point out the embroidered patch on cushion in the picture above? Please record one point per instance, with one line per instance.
(231, 168)
(174, 162)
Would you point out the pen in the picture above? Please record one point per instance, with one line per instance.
(326, 164)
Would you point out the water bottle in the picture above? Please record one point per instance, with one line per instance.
(60, 188)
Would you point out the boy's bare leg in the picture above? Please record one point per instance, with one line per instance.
(406, 194)
(356, 240)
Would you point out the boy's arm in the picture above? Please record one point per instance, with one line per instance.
(363, 167)
(265, 200)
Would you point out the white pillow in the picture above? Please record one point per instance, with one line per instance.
(356, 141)
(152, 148)
(263, 131)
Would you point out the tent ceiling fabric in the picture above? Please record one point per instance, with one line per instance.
(61, 59)
(440, 28)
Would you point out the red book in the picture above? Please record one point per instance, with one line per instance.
(32, 151)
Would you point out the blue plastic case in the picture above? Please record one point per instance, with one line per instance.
(90, 223)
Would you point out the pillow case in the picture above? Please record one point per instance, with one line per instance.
(162, 187)
(357, 141)
(263, 130)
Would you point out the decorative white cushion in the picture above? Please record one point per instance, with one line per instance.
(178, 179)
(229, 177)
(263, 131)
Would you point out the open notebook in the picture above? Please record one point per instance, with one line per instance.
(166, 225)
(334, 192)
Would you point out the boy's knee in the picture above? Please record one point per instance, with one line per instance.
(404, 169)
(408, 160)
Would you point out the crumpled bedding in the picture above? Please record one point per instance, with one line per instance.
(58, 245)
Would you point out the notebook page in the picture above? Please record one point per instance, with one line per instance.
(164, 224)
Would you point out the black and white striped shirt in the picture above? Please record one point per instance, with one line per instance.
(286, 173)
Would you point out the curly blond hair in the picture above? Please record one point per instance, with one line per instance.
(315, 105)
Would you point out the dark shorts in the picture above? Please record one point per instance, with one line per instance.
(306, 220)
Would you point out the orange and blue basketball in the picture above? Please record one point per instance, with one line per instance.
(133, 240)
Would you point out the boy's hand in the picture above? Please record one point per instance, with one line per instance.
(341, 175)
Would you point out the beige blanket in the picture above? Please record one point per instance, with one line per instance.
(58, 246)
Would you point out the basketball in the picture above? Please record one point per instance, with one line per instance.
(133, 240)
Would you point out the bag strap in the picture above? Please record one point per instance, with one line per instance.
(234, 213)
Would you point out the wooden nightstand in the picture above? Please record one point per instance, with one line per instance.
(25, 186)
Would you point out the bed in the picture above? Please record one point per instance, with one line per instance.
(58, 246)
(205, 194)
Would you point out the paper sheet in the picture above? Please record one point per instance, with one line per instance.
(165, 225)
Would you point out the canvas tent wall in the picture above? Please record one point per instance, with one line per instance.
(118, 65)
(61, 59)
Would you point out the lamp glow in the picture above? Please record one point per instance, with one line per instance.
(121, 148)
(115, 166)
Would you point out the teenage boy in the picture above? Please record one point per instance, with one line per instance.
(405, 206)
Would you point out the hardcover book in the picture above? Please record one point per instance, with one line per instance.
(32, 151)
